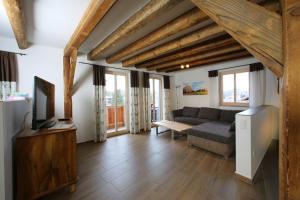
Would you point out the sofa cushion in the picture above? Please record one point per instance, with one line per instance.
(190, 120)
(228, 115)
(190, 111)
(209, 113)
(216, 131)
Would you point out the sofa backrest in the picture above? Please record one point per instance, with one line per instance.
(228, 115)
(209, 113)
(190, 111)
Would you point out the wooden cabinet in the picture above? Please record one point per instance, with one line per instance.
(45, 161)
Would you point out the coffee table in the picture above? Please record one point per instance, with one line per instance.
(173, 126)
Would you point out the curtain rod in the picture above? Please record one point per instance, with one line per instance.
(21, 54)
(120, 68)
(233, 67)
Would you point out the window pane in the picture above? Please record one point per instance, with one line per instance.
(228, 88)
(242, 87)
(110, 102)
(157, 99)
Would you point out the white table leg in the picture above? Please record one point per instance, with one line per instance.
(172, 131)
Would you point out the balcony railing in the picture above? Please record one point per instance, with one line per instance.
(111, 110)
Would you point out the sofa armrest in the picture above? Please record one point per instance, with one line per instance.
(177, 113)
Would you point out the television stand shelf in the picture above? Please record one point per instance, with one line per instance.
(45, 160)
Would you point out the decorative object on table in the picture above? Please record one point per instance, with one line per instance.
(195, 88)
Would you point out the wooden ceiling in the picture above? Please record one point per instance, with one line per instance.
(206, 45)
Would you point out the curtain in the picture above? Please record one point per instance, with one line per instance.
(257, 85)
(166, 100)
(147, 105)
(100, 107)
(8, 74)
(134, 103)
(213, 88)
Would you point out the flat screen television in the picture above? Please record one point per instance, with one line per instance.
(43, 103)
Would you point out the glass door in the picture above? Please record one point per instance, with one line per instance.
(155, 94)
(116, 90)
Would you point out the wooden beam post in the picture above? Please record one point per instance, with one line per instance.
(69, 71)
(94, 13)
(290, 134)
(197, 36)
(133, 24)
(260, 34)
(67, 96)
(16, 18)
(187, 20)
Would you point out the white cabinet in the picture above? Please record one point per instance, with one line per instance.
(11, 118)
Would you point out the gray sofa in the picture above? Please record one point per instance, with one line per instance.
(213, 129)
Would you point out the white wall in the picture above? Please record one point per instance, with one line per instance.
(42, 61)
(201, 74)
(254, 132)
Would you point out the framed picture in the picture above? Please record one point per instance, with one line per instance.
(195, 88)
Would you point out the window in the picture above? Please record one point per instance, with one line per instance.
(234, 87)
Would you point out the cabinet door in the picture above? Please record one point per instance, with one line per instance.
(45, 163)
(64, 167)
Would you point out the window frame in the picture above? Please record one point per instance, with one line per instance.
(234, 72)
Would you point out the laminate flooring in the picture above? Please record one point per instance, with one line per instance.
(147, 166)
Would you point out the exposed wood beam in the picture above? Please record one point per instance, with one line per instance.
(260, 34)
(67, 96)
(188, 52)
(189, 59)
(92, 16)
(133, 24)
(210, 60)
(16, 18)
(197, 36)
(69, 71)
(290, 133)
(187, 20)
(94, 13)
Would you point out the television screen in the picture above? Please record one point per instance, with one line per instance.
(43, 102)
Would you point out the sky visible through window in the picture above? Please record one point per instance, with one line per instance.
(239, 81)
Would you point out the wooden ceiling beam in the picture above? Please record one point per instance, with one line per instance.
(199, 56)
(133, 24)
(16, 18)
(188, 52)
(200, 35)
(185, 21)
(210, 60)
(94, 13)
(260, 34)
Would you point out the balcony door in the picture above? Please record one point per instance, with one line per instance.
(156, 99)
(116, 103)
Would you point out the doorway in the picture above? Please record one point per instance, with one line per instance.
(116, 103)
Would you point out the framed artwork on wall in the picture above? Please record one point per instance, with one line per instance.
(195, 88)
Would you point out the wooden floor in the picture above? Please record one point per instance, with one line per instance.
(147, 166)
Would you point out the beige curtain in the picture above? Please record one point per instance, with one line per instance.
(8, 74)
(100, 104)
